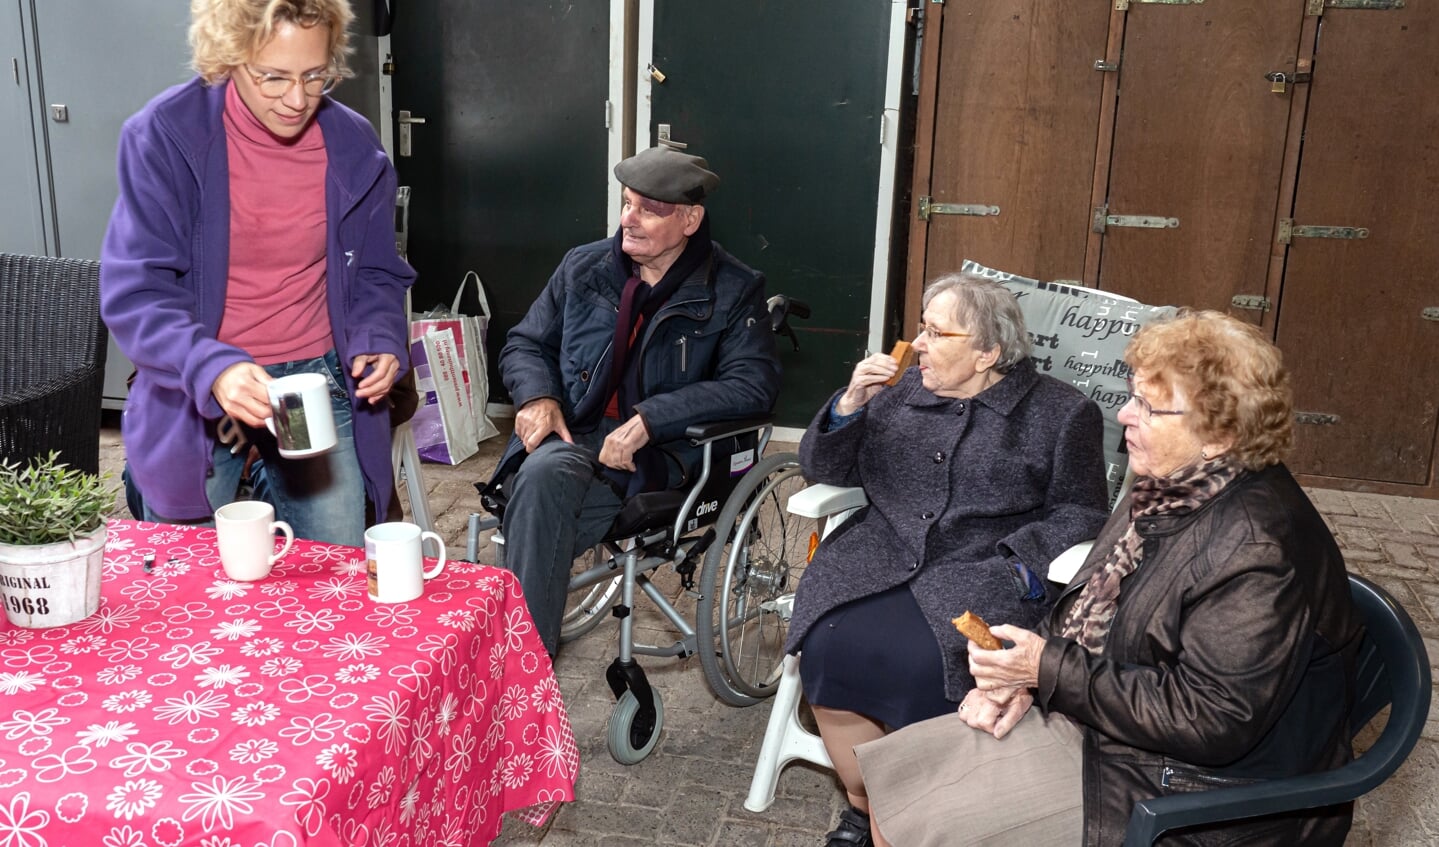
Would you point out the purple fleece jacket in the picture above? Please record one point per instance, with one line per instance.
(163, 273)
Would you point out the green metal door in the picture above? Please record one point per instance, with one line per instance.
(786, 100)
(508, 170)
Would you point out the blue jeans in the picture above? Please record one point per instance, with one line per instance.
(559, 507)
(320, 497)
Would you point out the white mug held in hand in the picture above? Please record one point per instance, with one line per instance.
(303, 422)
(245, 532)
(395, 564)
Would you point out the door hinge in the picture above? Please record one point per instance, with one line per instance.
(1314, 8)
(1121, 5)
(1288, 231)
(1103, 220)
(926, 208)
(1252, 302)
(1430, 313)
(1316, 418)
(1105, 67)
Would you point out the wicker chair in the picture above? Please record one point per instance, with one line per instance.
(52, 346)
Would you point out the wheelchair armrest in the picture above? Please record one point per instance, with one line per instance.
(701, 433)
(1066, 564)
(820, 500)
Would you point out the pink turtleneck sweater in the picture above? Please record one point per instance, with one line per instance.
(275, 306)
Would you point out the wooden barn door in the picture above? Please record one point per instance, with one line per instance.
(1013, 134)
(1351, 321)
(1199, 135)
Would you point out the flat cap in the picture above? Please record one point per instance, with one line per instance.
(664, 173)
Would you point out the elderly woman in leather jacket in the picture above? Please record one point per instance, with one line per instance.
(979, 471)
(1209, 639)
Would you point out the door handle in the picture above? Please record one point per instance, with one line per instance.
(663, 136)
(405, 120)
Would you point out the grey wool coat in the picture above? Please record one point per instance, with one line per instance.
(958, 490)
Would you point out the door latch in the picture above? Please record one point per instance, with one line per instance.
(1279, 80)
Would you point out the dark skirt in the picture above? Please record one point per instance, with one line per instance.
(876, 656)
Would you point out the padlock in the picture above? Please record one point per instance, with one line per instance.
(1276, 84)
(657, 74)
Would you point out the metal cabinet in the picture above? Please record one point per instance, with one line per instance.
(76, 70)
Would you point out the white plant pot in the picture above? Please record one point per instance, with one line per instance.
(45, 585)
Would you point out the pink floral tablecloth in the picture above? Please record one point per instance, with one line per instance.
(194, 710)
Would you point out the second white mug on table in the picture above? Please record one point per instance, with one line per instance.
(394, 561)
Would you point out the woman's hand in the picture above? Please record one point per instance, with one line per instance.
(1014, 669)
(377, 385)
(994, 713)
(241, 391)
(868, 379)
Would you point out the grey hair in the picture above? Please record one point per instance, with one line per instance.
(990, 311)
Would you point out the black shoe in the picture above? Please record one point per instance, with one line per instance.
(853, 830)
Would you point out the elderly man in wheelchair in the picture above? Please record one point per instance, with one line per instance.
(646, 355)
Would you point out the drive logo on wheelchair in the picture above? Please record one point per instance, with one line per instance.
(707, 508)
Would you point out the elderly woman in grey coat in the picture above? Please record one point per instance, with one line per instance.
(979, 471)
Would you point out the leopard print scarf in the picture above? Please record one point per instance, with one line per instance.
(1092, 614)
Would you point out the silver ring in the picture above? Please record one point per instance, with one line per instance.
(962, 706)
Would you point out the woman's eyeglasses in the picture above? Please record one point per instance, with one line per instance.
(933, 333)
(275, 86)
(1143, 405)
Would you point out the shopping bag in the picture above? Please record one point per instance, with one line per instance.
(443, 425)
(470, 332)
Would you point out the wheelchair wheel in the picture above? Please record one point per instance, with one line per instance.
(749, 574)
(587, 608)
(631, 741)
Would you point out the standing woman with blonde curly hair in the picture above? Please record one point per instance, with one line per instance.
(253, 238)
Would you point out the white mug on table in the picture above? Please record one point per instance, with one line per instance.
(304, 422)
(245, 534)
(394, 561)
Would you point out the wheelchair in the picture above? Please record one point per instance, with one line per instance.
(728, 536)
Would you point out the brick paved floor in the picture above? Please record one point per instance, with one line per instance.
(690, 791)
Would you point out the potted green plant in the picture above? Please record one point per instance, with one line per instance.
(52, 541)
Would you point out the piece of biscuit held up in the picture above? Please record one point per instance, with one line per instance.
(974, 628)
(905, 356)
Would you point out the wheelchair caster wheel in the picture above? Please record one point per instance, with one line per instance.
(631, 736)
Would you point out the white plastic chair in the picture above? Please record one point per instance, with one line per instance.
(785, 738)
(404, 454)
(405, 460)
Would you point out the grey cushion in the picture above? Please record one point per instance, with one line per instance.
(1079, 337)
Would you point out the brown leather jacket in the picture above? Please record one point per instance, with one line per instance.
(1230, 660)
